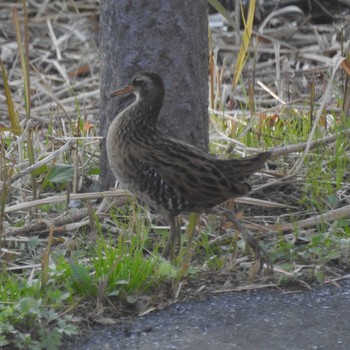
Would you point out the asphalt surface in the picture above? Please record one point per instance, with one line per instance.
(264, 319)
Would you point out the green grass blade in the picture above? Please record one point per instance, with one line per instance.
(243, 50)
(12, 112)
(218, 7)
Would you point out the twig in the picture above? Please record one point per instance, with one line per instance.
(40, 163)
(331, 215)
(302, 146)
(63, 223)
(122, 194)
(243, 288)
(44, 225)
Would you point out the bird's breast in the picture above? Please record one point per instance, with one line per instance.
(125, 143)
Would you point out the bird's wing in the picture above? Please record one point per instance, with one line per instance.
(188, 171)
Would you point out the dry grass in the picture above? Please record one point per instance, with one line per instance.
(64, 93)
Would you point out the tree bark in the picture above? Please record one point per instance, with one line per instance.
(166, 37)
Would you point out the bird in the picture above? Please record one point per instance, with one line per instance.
(172, 176)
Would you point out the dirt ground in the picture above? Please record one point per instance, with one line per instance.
(256, 320)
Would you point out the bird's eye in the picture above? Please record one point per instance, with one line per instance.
(137, 81)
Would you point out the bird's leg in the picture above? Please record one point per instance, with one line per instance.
(175, 234)
(259, 251)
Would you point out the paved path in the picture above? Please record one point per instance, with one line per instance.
(258, 320)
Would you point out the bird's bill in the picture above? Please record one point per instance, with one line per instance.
(124, 91)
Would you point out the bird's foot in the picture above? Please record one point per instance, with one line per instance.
(260, 253)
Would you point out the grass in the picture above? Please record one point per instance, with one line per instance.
(33, 318)
(36, 313)
(59, 274)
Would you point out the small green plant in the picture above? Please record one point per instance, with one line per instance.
(211, 254)
(114, 264)
(31, 317)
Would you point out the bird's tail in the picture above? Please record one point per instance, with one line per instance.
(243, 167)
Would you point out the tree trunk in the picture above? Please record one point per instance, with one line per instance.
(166, 37)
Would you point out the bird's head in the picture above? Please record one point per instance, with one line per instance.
(145, 85)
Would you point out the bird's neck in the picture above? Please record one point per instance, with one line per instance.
(142, 115)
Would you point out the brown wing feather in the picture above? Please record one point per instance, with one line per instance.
(199, 180)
